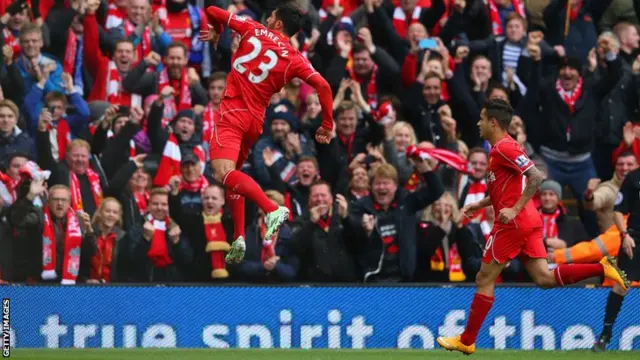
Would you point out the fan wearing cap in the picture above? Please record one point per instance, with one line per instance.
(185, 197)
(568, 110)
(182, 138)
(286, 144)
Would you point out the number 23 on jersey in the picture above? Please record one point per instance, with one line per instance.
(258, 75)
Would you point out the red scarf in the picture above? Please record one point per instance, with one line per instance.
(142, 201)
(182, 92)
(63, 135)
(101, 261)
(575, 10)
(549, 223)
(448, 8)
(145, 46)
(197, 186)
(348, 142)
(372, 93)
(76, 195)
(114, 93)
(570, 99)
(400, 20)
(115, 16)
(69, 60)
(494, 14)
(476, 192)
(158, 250)
(288, 203)
(207, 123)
(268, 250)
(72, 243)
(325, 222)
(217, 244)
(10, 186)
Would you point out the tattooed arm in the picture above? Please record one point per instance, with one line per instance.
(534, 179)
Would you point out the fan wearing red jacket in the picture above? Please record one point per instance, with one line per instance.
(264, 62)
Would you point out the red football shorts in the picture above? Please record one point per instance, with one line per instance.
(236, 131)
(506, 244)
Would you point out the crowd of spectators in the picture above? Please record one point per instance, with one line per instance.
(106, 109)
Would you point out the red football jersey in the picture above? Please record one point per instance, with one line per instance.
(264, 62)
(507, 164)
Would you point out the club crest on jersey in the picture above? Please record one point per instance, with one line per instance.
(522, 161)
(491, 176)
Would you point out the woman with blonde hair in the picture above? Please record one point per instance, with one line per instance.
(449, 246)
(108, 253)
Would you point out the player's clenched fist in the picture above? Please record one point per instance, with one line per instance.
(323, 136)
(506, 215)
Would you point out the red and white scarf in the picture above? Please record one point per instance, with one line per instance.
(372, 91)
(549, 223)
(76, 195)
(102, 259)
(158, 250)
(570, 98)
(400, 20)
(115, 93)
(115, 16)
(8, 188)
(72, 243)
(71, 48)
(170, 161)
(182, 92)
(476, 192)
(11, 40)
(207, 122)
(142, 201)
(494, 14)
(63, 136)
(197, 186)
(144, 48)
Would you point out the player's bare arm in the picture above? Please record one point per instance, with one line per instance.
(470, 210)
(534, 179)
(324, 132)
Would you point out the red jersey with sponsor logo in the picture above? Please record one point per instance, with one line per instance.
(507, 164)
(264, 62)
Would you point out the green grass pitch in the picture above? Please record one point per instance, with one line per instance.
(269, 354)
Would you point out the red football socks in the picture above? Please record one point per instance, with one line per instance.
(241, 183)
(572, 273)
(480, 307)
(236, 205)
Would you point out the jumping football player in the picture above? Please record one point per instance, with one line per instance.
(518, 228)
(264, 62)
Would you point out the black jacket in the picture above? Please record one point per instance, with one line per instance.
(370, 249)
(553, 114)
(324, 255)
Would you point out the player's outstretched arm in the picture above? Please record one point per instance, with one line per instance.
(484, 202)
(534, 179)
(326, 99)
(220, 18)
